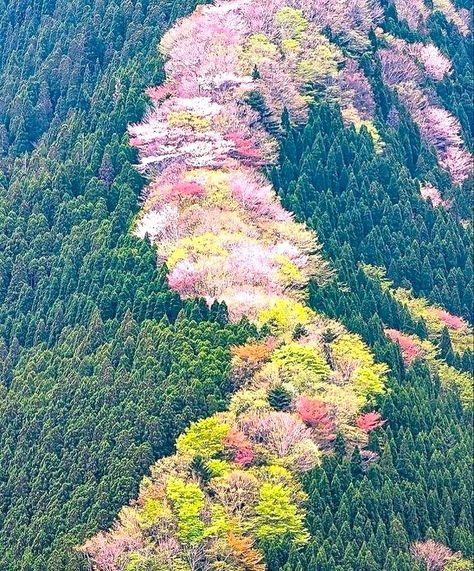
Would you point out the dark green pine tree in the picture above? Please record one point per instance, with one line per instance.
(279, 398)
(445, 346)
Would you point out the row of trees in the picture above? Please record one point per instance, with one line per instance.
(367, 207)
(367, 518)
(94, 388)
(102, 366)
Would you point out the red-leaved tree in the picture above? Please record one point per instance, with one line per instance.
(410, 350)
(315, 413)
(370, 421)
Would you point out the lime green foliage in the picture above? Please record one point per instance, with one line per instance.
(246, 401)
(459, 564)
(369, 376)
(218, 467)
(244, 473)
(351, 115)
(373, 132)
(377, 273)
(205, 244)
(294, 358)
(277, 517)
(163, 562)
(369, 381)
(203, 438)
(217, 187)
(291, 25)
(462, 381)
(284, 315)
(188, 502)
(188, 119)
(350, 346)
(139, 562)
(288, 272)
(152, 511)
(258, 49)
(420, 308)
(320, 62)
(220, 525)
(241, 468)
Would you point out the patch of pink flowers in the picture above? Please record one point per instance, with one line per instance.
(370, 421)
(451, 321)
(408, 346)
(429, 192)
(404, 68)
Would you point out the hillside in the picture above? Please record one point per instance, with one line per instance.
(257, 216)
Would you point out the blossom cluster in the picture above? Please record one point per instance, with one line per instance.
(234, 480)
(232, 68)
(405, 68)
(215, 221)
(223, 54)
(431, 193)
(436, 319)
(416, 13)
(412, 348)
(225, 237)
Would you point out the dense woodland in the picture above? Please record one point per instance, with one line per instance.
(365, 519)
(92, 390)
(367, 208)
(103, 366)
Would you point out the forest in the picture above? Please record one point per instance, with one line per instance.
(236, 285)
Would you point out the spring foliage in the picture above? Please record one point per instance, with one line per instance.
(234, 483)
(218, 225)
(410, 69)
(286, 414)
(441, 327)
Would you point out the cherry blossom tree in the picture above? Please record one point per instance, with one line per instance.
(355, 90)
(429, 192)
(414, 12)
(435, 63)
(216, 221)
(370, 421)
(107, 551)
(435, 555)
(402, 66)
(452, 321)
(397, 66)
(257, 197)
(185, 279)
(284, 435)
(315, 413)
(349, 19)
(160, 224)
(240, 447)
(440, 128)
(458, 162)
(410, 349)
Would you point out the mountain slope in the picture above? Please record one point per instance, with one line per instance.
(213, 122)
(104, 365)
(81, 418)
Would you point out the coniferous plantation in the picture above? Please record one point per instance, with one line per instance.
(236, 285)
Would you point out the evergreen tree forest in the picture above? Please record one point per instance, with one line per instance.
(365, 518)
(106, 366)
(94, 346)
